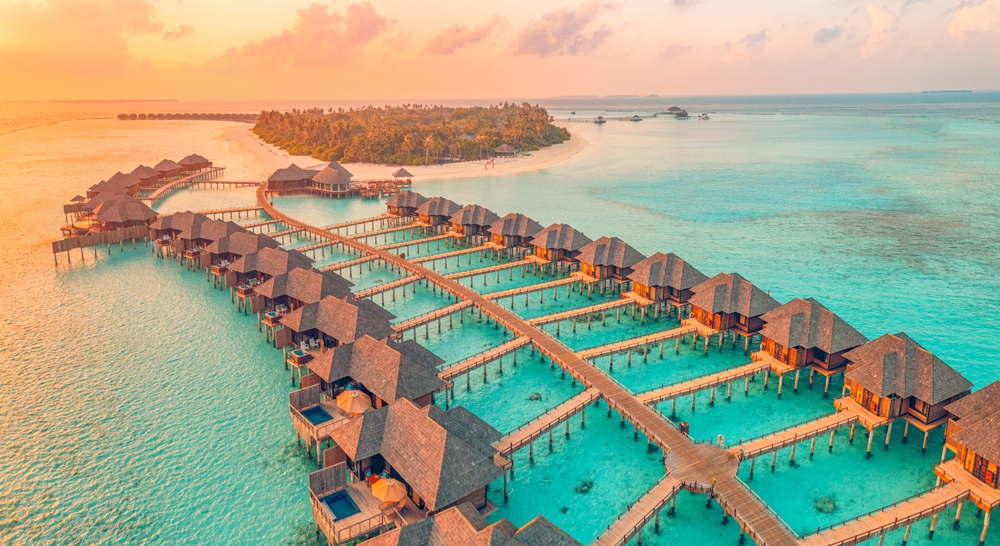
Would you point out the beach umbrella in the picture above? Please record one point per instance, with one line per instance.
(389, 490)
(353, 402)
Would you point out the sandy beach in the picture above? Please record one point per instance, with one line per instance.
(259, 159)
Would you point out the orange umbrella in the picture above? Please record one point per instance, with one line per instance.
(353, 402)
(388, 490)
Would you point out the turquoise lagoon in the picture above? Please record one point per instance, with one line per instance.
(139, 406)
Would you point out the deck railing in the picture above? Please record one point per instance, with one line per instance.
(633, 343)
(676, 383)
(470, 363)
(783, 429)
(426, 318)
(555, 421)
(631, 531)
(733, 512)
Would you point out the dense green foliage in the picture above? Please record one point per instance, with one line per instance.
(408, 134)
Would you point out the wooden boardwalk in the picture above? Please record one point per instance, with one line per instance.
(191, 180)
(484, 358)
(432, 316)
(725, 377)
(685, 460)
(568, 315)
(350, 263)
(381, 218)
(367, 234)
(387, 286)
(230, 210)
(415, 242)
(793, 435)
(486, 270)
(534, 429)
(262, 223)
(629, 344)
(895, 516)
(631, 522)
(447, 255)
(503, 294)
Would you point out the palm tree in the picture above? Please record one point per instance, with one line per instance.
(436, 148)
(483, 139)
(408, 146)
(428, 144)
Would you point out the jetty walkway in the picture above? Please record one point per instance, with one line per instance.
(534, 429)
(631, 522)
(693, 386)
(644, 341)
(684, 460)
(484, 358)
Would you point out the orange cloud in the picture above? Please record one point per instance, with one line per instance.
(183, 31)
(975, 18)
(882, 31)
(458, 36)
(563, 31)
(318, 38)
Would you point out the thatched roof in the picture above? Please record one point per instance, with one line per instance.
(402, 173)
(178, 221)
(474, 215)
(406, 199)
(610, 251)
(334, 173)
(515, 225)
(807, 324)
(193, 159)
(438, 206)
(731, 293)
(292, 173)
(78, 199)
(463, 525)
(345, 318)
(119, 183)
(894, 364)
(505, 149)
(210, 230)
(271, 261)
(305, 285)
(560, 237)
(241, 243)
(978, 414)
(124, 209)
(387, 369)
(666, 271)
(143, 172)
(443, 456)
(167, 165)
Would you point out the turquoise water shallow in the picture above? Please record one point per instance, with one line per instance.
(140, 407)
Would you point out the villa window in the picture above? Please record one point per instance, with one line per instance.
(820, 355)
(743, 320)
(921, 407)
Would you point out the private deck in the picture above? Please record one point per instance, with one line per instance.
(573, 313)
(984, 496)
(633, 343)
(725, 377)
(631, 522)
(484, 358)
(895, 516)
(534, 429)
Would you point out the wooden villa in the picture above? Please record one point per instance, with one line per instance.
(728, 302)
(559, 243)
(118, 183)
(803, 333)
(505, 150)
(292, 177)
(330, 322)
(463, 524)
(893, 377)
(148, 176)
(473, 221)
(437, 211)
(257, 267)
(194, 240)
(514, 231)
(300, 287)
(333, 181)
(665, 278)
(121, 212)
(973, 435)
(608, 259)
(194, 163)
(226, 250)
(402, 177)
(405, 203)
(168, 169)
(167, 228)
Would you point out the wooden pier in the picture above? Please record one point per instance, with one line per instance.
(631, 522)
(573, 313)
(387, 286)
(490, 269)
(693, 386)
(261, 223)
(417, 242)
(428, 318)
(382, 219)
(793, 435)
(350, 263)
(504, 294)
(363, 236)
(236, 212)
(484, 358)
(188, 181)
(629, 344)
(447, 255)
(534, 429)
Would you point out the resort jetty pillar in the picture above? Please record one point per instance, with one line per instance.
(923, 449)
(958, 517)
(753, 462)
(832, 432)
(888, 435)
(850, 439)
(906, 534)
(795, 386)
(781, 382)
(933, 525)
(906, 430)
(871, 436)
(812, 448)
(986, 527)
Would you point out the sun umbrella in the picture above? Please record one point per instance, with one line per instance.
(388, 490)
(352, 402)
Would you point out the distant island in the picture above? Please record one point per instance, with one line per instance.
(948, 91)
(411, 134)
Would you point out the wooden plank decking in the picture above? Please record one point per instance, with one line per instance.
(535, 428)
(483, 358)
(447, 255)
(792, 435)
(262, 223)
(366, 234)
(432, 316)
(413, 242)
(486, 270)
(629, 344)
(350, 263)
(638, 515)
(503, 294)
(387, 286)
(229, 210)
(361, 222)
(584, 311)
(700, 383)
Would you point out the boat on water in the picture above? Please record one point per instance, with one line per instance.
(600, 120)
(703, 117)
(572, 113)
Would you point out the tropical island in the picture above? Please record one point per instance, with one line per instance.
(411, 134)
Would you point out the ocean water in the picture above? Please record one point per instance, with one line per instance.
(138, 406)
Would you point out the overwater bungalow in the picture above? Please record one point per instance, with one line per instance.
(437, 211)
(463, 524)
(147, 176)
(402, 177)
(665, 278)
(166, 228)
(608, 259)
(473, 221)
(300, 287)
(728, 302)
(893, 377)
(559, 243)
(333, 180)
(121, 212)
(803, 333)
(505, 150)
(118, 183)
(168, 168)
(225, 250)
(199, 235)
(405, 203)
(973, 435)
(290, 178)
(194, 163)
(330, 322)
(268, 262)
(514, 231)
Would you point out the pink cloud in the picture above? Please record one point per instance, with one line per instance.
(975, 18)
(564, 31)
(458, 36)
(882, 32)
(183, 31)
(318, 37)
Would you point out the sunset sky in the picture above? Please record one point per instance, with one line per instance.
(405, 49)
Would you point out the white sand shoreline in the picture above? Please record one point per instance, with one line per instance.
(259, 159)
